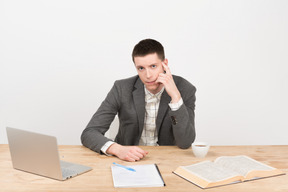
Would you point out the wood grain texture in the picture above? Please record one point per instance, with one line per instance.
(168, 158)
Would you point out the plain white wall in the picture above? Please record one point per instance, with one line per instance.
(59, 58)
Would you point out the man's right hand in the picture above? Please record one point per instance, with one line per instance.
(127, 153)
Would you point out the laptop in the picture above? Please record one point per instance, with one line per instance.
(37, 153)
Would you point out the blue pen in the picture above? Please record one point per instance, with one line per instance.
(128, 168)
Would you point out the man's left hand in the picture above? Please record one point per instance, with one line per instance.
(167, 80)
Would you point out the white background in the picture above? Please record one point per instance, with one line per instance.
(59, 59)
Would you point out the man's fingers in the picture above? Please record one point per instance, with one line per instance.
(134, 157)
(129, 159)
(163, 78)
(144, 153)
(166, 69)
(139, 153)
(134, 153)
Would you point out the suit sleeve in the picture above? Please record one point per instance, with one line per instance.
(93, 135)
(183, 119)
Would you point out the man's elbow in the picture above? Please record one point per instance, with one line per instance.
(187, 144)
(84, 137)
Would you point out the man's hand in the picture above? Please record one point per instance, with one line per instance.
(167, 80)
(127, 153)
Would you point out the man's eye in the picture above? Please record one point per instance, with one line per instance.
(140, 68)
(153, 66)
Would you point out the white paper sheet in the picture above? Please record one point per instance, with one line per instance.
(145, 176)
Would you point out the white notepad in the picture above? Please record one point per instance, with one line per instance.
(144, 176)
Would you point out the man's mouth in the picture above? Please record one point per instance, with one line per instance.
(150, 82)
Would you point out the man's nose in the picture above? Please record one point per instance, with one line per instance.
(148, 74)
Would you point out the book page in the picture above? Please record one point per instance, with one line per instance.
(145, 176)
(210, 171)
(242, 164)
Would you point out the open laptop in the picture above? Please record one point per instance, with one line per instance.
(37, 153)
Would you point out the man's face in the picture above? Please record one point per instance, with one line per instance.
(148, 68)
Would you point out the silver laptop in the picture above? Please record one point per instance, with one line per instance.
(37, 153)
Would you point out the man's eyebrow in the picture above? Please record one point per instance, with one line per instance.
(148, 65)
(153, 64)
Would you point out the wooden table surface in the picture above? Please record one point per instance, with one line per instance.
(168, 158)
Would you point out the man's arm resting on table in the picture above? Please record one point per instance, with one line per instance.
(131, 153)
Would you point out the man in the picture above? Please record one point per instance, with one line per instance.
(154, 108)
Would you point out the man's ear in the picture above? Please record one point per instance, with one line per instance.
(165, 61)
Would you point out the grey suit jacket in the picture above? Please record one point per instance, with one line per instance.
(127, 99)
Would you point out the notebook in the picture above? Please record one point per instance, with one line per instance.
(142, 176)
(38, 154)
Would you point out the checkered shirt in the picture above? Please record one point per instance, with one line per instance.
(149, 135)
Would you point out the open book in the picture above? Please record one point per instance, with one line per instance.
(225, 170)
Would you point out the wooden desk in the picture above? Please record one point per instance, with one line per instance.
(167, 159)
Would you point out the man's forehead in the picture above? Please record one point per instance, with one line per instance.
(154, 55)
(147, 59)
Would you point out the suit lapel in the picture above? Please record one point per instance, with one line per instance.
(139, 103)
(163, 107)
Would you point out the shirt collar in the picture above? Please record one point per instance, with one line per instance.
(149, 95)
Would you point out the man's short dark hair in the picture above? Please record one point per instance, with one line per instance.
(148, 46)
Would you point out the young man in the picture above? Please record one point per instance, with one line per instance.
(154, 108)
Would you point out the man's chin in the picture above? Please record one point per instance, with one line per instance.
(153, 88)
